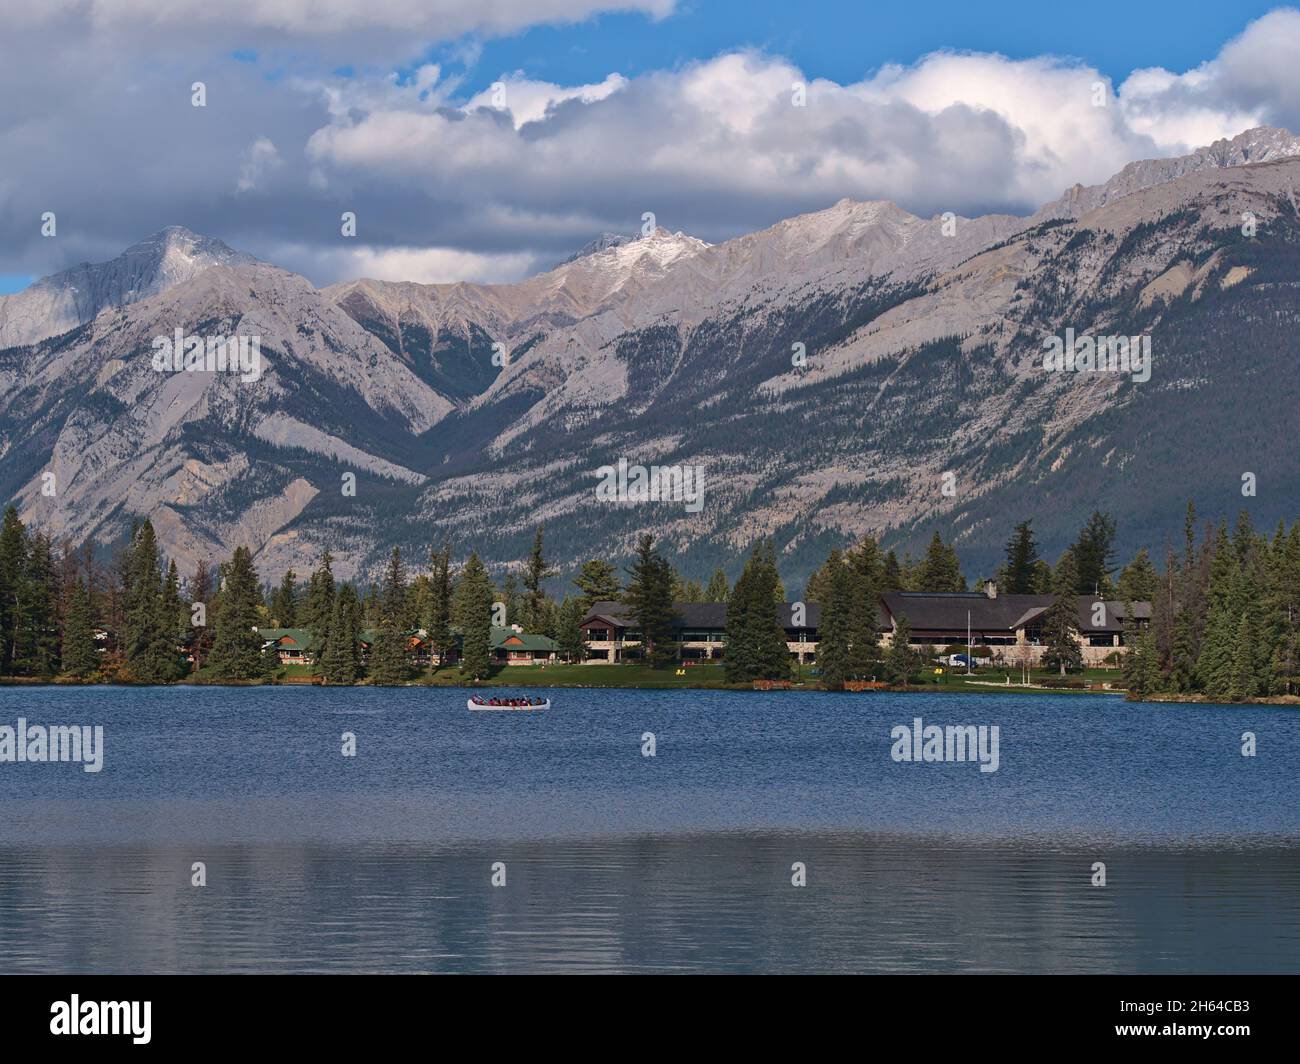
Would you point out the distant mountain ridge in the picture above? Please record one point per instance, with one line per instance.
(77, 295)
(826, 373)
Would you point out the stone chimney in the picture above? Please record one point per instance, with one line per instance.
(991, 588)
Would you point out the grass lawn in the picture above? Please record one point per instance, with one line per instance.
(697, 676)
(561, 675)
(954, 679)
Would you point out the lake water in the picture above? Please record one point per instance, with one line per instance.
(614, 861)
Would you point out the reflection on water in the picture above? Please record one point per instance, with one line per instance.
(617, 862)
(684, 903)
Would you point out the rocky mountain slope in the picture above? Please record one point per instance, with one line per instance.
(856, 369)
(75, 296)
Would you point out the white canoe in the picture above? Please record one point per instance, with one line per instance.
(508, 709)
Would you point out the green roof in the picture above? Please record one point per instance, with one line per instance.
(300, 637)
(527, 641)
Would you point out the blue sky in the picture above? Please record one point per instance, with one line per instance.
(384, 109)
(844, 41)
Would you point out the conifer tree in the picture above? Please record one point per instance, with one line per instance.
(13, 575)
(940, 570)
(901, 662)
(318, 611)
(340, 660)
(388, 659)
(756, 646)
(1061, 622)
(1094, 556)
(236, 645)
(833, 629)
(151, 648)
(370, 606)
(1282, 611)
(1216, 664)
(1018, 575)
(80, 658)
(201, 591)
(822, 582)
(891, 574)
(174, 625)
(474, 594)
(1245, 682)
(284, 603)
(717, 589)
(690, 591)
(864, 619)
(569, 630)
(598, 581)
(649, 595)
(1131, 666)
(511, 599)
(536, 572)
(439, 621)
(1138, 581)
(36, 645)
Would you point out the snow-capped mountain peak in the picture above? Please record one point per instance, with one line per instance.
(74, 296)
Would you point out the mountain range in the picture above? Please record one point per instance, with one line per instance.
(858, 369)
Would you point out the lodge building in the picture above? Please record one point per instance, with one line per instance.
(509, 646)
(1010, 626)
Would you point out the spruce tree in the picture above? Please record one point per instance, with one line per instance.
(236, 646)
(690, 591)
(940, 571)
(756, 642)
(388, 659)
(740, 662)
(536, 572)
(1061, 622)
(1138, 581)
(822, 582)
(318, 611)
(1282, 611)
(1131, 665)
(891, 577)
(13, 576)
(1094, 556)
(284, 604)
(1216, 664)
(340, 659)
(649, 596)
(36, 645)
(80, 657)
(201, 591)
(569, 630)
(174, 620)
(1019, 576)
(864, 618)
(1245, 666)
(439, 621)
(511, 599)
(772, 655)
(474, 594)
(833, 629)
(717, 589)
(150, 653)
(901, 663)
(598, 581)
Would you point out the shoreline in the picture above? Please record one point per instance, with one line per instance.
(969, 687)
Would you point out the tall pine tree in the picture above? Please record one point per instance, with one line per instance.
(474, 596)
(236, 645)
